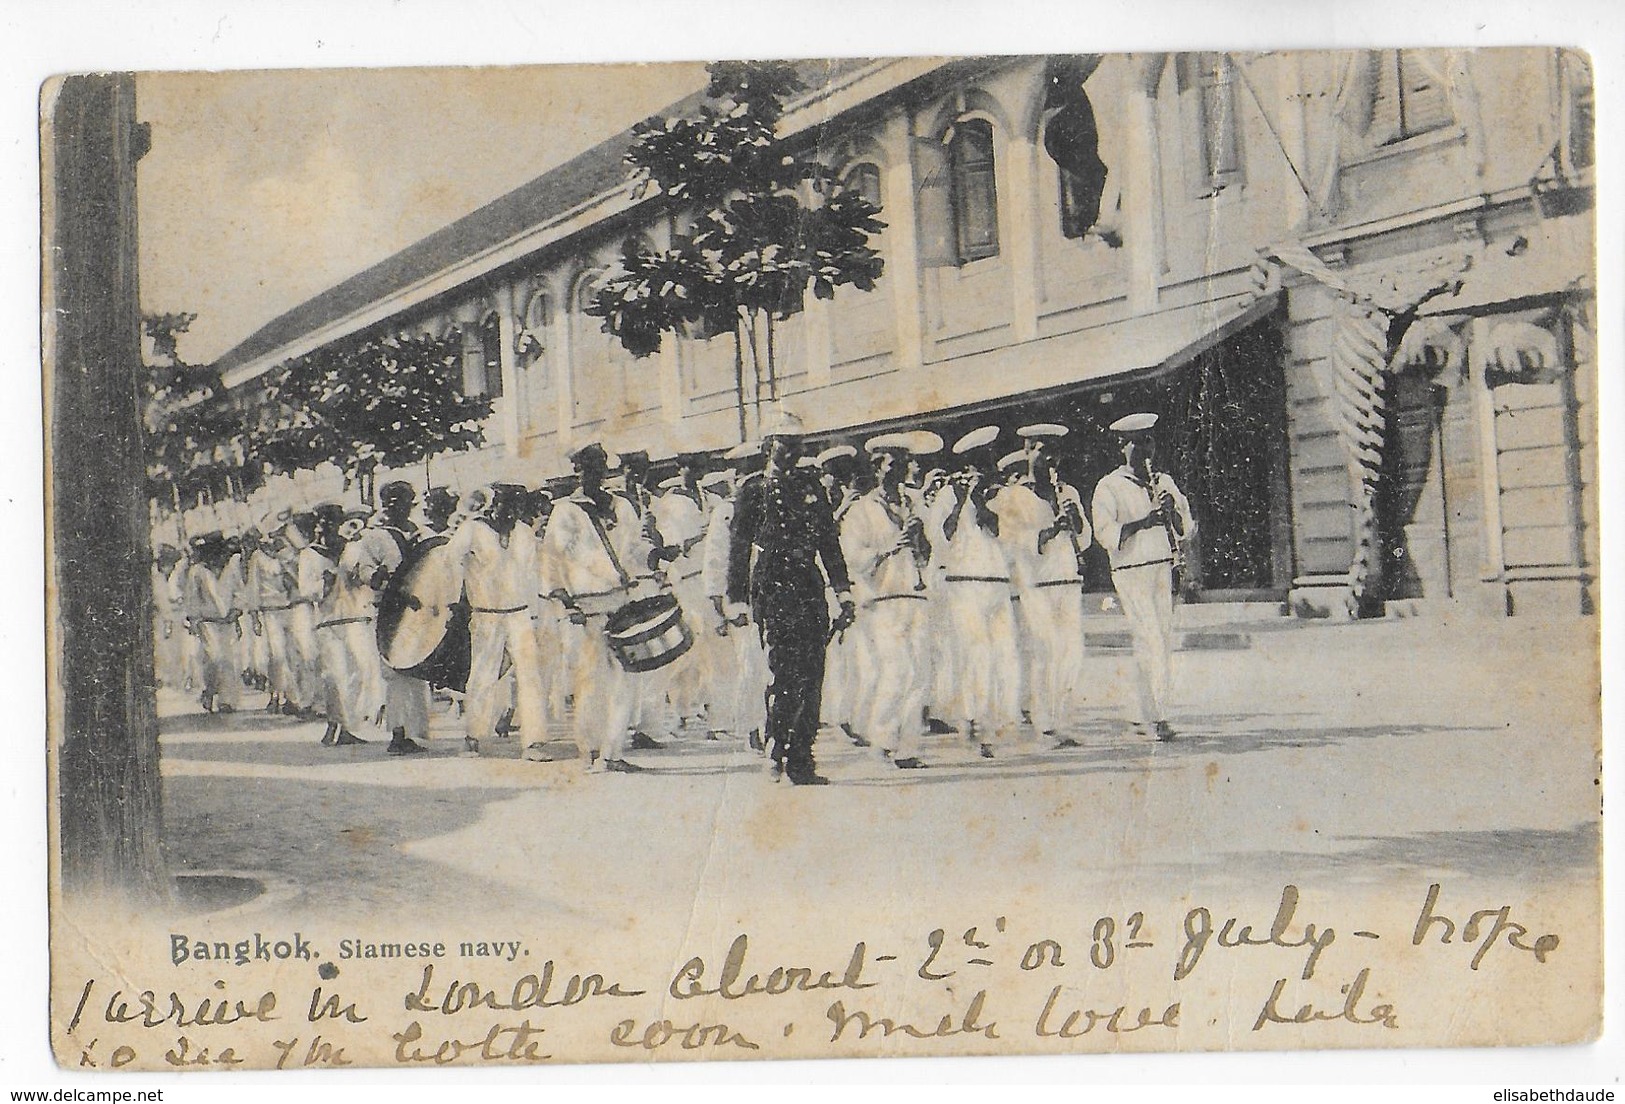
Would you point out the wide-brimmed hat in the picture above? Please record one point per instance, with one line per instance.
(784, 423)
(917, 442)
(833, 453)
(975, 439)
(744, 450)
(1130, 424)
(1040, 430)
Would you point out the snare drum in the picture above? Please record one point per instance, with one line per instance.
(647, 634)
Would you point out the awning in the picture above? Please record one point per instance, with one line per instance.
(1050, 369)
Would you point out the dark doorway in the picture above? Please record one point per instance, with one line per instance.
(1411, 509)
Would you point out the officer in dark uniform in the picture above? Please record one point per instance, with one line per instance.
(783, 530)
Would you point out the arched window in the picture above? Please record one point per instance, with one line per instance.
(975, 196)
(533, 337)
(865, 180)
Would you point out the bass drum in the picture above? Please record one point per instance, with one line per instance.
(423, 618)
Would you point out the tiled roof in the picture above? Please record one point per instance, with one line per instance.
(571, 184)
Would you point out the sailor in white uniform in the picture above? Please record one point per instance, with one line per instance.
(1141, 518)
(975, 597)
(887, 552)
(1047, 532)
(741, 690)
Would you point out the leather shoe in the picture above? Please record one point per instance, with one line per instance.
(642, 741)
(908, 763)
(405, 747)
(1165, 731)
(808, 780)
(621, 766)
(348, 739)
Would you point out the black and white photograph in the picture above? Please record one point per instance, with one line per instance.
(1086, 552)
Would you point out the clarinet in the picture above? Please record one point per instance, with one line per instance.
(1164, 500)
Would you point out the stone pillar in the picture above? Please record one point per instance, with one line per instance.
(1142, 189)
(1022, 204)
(898, 243)
(513, 394)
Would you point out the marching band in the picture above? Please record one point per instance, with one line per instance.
(881, 591)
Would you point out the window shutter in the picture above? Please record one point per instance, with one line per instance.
(933, 204)
(975, 191)
(1385, 97)
(1425, 93)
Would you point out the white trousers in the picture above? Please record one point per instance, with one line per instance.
(493, 636)
(274, 634)
(1052, 640)
(894, 672)
(220, 661)
(985, 666)
(1148, 604)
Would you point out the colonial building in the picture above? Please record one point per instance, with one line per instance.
(1358, 286)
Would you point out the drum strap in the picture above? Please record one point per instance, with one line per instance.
(342, 621)
(1058, 582)
(603, 538)
(976, 578)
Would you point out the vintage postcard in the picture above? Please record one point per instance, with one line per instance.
(859, 557)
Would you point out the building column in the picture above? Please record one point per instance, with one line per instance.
(1020, 157)
(817, 333)
(670, 368)
(1142, 190)
(1493, 571)
(898, 242)
(564, 369)
(513, 397)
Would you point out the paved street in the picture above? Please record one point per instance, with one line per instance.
(1339, 754)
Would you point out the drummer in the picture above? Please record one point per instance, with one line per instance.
(681, 513)
(591, 556)
(389, 539)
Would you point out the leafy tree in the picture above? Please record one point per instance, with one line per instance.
(766, 222)
(388, 400)
(195, 442)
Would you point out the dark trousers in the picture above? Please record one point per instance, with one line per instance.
(795, 635)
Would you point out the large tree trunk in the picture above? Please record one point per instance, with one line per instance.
(99, 604)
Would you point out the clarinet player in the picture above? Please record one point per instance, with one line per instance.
(1142, 519)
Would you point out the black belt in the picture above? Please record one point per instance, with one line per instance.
(342, 621)
(488, 609)
(976, 578)
(889, 597)
(1143, 563)
(1058, 582)
(271, 609)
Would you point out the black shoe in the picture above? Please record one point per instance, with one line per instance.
(400, 745)
(808, 780)
(621, 766)
(1066, 742)
(330, 735)
(642, 741)
(755, 741)
(1165, 731)
(910, 763)
(348, 739)
(857, 738)
(987, 751)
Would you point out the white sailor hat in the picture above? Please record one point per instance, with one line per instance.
(715, 479)
(976, 438)
(1133, 423)
(835, 452)
(1011, 459)
(671, 483)
(743, 450)
(806, 461)
(1042, 429)
(784, 424)
(920, 442)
